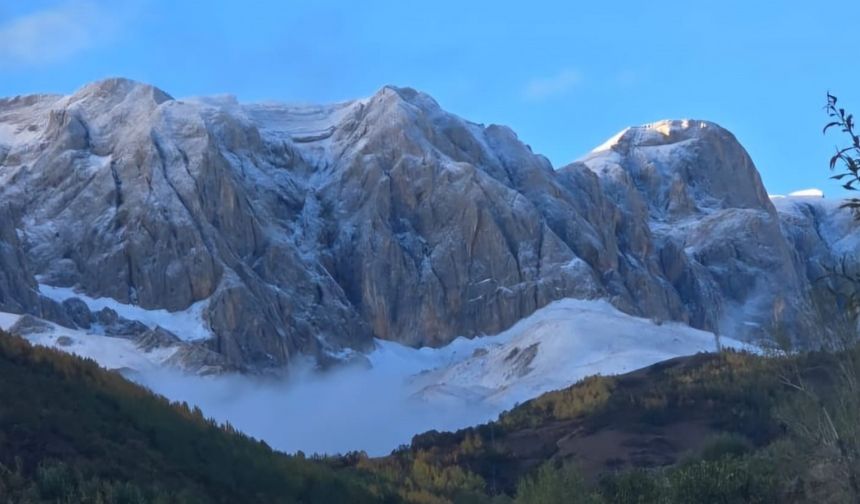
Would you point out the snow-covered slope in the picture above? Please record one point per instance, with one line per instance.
(835, 226)
(188, 325)
(557, 346)
(113, 353)
(406, 390)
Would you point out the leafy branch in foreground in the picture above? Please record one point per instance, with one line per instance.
(824, 411)
(848, 158)
(847, 161)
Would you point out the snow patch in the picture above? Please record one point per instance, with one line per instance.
(559, 345)
(7, 320)
(111, 353)
(807, 193)
(188, 325)
(406, 390)
(11, 134)
(612, 142)
(309, 128)
(803, 193)
(409, 390)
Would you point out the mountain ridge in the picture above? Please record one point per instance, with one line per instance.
(314, 229)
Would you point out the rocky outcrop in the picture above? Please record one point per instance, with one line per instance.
(18, 292)
(313, 229)
(159, 337)
(28, 324)
(197, 359)
(128, 194)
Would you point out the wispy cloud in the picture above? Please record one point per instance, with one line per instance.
(55, 33)
(544, 88)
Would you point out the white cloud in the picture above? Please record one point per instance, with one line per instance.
(339, 411)
(550, 87)
(55, 33)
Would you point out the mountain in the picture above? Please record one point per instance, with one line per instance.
(283, 231)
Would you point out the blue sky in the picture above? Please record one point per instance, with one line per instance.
(564, 75)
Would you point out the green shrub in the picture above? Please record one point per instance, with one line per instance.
(554, 485)
(728, 480)
(725, 445)
(55, 481)
(636, 486)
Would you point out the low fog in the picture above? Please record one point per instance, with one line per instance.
(328, 412)
(376, 408)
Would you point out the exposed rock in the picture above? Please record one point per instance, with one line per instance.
(65, 341)
(115, 325)
(350, 360)
(107, 317)
(157, 338)
(78, 312)
(200, 360)
(479, 352)
(310, 230)
(718, 239)
(29, 324)
(49, 309)
(520, 361)
(124, 328)
(17, 286)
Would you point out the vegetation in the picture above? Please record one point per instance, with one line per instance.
(555, 484)
(726, 428)
(751, 453)
(846, 163)
(73, 432)
(847, 158)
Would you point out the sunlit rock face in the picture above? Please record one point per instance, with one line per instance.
(310, 230)
(740, 266)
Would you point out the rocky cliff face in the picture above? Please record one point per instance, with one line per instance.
(740, 267)
(313, 229)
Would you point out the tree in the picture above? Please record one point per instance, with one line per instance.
(825, 411)
(846, 158)
(555, 485)
(846, 162)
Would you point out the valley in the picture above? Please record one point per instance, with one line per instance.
(398, 304)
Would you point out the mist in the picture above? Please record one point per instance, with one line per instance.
(329, 412)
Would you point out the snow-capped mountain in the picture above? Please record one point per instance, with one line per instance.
(314, 230)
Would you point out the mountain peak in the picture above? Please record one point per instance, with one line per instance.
(408, 95)
(121, 87)
(293, 228)
(683, 165)
(663, 132)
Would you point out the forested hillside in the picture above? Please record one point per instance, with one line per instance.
(728, 427)
(73, 432)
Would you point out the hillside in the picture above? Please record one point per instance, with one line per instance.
(467, 382)
(726, 427)
(73, 432)
(710, 427)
